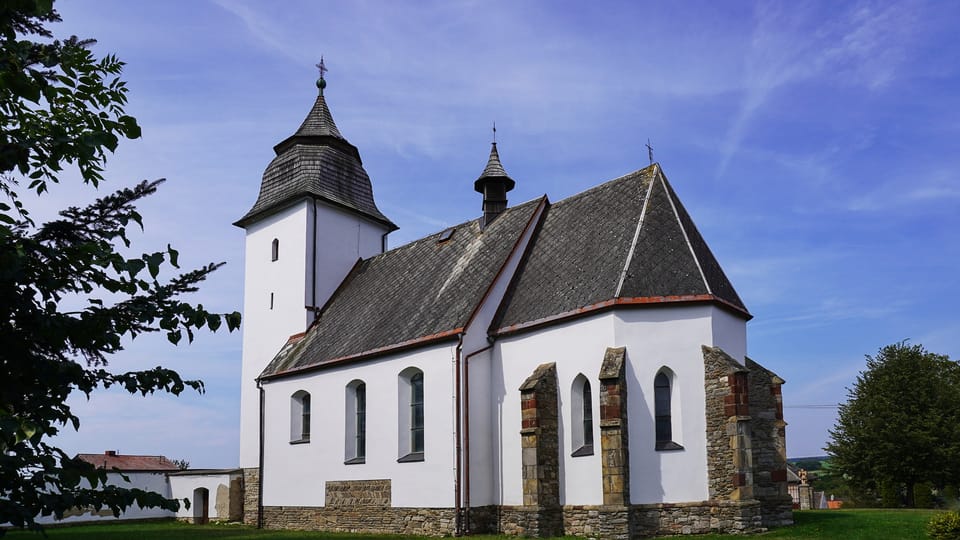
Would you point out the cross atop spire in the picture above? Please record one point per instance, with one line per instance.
(494, 132)
(321, 82)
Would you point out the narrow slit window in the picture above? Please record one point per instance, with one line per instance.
(275, 249)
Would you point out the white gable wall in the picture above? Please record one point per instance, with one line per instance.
(343, 237)
(295, 474)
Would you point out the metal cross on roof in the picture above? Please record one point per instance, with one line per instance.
(649, 151)
(494, 132)
(321, 67)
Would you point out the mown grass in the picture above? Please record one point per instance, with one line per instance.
(810, 525)
(853, 524)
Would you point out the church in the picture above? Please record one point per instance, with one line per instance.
(572, 367)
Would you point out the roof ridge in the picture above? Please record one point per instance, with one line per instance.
(633, 244)
(609, 183)
(686, 235)
(417, 241)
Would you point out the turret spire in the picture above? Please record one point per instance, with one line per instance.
(494, 183)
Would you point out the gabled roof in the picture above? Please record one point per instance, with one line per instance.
(318, 162)
(626, 242)
(112, 460)
(418, 293)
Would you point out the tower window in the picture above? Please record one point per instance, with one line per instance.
(271, 300)
(275, 250)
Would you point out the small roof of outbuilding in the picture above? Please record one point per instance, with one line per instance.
(131, 463)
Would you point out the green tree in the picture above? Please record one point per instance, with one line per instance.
(899, 425)
(68, 297)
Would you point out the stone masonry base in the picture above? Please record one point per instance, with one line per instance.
(606, 522)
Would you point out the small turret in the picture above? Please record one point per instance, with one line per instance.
(494, 185)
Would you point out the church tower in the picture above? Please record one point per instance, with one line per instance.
(314, 218)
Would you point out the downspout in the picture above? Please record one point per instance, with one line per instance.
(313, 286)
(457, 507)
(466, 434)
(260, 488)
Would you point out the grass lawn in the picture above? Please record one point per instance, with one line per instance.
(810, 525)
(853, 524)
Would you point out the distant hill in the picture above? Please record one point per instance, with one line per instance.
(811, 463)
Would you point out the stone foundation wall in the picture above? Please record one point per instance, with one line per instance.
(251, 496)
(410, 521)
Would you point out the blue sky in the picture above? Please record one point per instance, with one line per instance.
(815, 145)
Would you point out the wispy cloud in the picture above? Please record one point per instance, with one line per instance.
(862, 46)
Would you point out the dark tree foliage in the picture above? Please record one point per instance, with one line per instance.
(68, 297)
(898, 428)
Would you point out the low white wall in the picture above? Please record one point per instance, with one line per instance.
(149, 481)
(185, 486)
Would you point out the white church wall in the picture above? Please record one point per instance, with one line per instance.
(295, 474)
(670, 337)
(267, 327)
(482, 485)
(342, 238)
(576, 347)
(481, 427)
(730, 334)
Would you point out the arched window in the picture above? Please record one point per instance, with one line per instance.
(410, 416)
(581, 404)
(275, 250)
(663, 412)
(300, 417)
(356, 420)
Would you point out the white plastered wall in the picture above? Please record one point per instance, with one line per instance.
(149, 481)
(265, 330)
(183, 486)
(295, 474)
(478, 362)
(576, 347)
(671, 337)
(654, 338)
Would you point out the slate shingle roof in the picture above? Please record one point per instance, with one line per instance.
(419, 292)
(627, 241)
(316, 161)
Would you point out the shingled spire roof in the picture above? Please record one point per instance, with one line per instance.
(318, 162)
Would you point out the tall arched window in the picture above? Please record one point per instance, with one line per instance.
(300, 417)
(356, 423)
(410, 416)
(663, 412)
(581, 404)
(275, 250)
